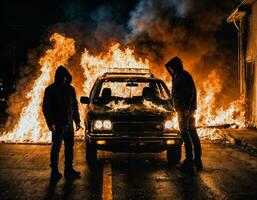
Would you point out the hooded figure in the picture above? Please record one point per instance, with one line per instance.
(183, 96)
(183, 90)
(60, 105)
(60, 109)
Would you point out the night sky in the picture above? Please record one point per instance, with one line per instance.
(24, 23)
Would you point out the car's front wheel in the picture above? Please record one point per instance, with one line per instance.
(91, 153)
(174, 154)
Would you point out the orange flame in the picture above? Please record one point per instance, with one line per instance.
(95, 66)
(208, 114)
(31, 125)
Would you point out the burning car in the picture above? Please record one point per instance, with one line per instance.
(130, 111)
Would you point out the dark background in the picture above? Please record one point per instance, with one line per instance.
(24, 22)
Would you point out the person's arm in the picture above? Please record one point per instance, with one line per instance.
(47, 110)
(179, 95)
(183, 91)
(75, 110)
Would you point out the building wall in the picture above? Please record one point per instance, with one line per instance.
(251, 58)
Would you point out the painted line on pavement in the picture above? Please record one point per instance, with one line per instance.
(107, 181)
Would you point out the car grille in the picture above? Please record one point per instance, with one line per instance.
(138, 118)
(137, 127)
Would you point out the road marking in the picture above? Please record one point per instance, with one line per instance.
(107, 182)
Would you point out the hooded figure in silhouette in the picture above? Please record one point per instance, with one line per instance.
(184, 101)
(60, 109)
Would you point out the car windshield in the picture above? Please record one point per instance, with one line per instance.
(132, 91)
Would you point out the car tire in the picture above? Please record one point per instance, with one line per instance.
(91, 153)
(174, 155)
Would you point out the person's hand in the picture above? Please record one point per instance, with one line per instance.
(78, 126)
(52, 128)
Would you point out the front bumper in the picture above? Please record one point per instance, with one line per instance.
(117, 143)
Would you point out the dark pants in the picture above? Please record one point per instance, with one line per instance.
(189, 135)
(67, 135)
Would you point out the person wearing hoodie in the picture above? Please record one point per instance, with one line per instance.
(60, 109)
(184, 99)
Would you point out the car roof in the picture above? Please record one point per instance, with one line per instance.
(135, 78)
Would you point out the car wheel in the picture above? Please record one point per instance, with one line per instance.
(174, 154)
(91, 153)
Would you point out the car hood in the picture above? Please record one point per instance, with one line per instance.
(147, 108)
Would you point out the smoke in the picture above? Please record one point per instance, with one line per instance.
(107, 27)
(158, 30)
(187, 28)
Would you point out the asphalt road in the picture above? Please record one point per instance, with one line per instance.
(229, 173)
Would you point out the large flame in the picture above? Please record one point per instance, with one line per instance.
(31, 125)
(208, 114)
(95, 66)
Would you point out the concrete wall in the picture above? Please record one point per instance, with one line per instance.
(251, 58)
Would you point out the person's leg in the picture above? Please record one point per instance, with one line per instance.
(183, 126)
(56, 146)
(194, 137)
(69, 172)
(68, 144)
(196, 142)
(187, 165)
(54, 156)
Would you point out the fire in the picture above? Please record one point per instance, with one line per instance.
(31, 125)
(208, 114)
(153, 106)
(121, 105)
(95, 66)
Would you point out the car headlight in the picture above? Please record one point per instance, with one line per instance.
(102, 125)
(168, 125)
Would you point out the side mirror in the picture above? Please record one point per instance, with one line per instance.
(84, 100)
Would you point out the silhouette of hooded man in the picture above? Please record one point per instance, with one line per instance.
(60, 109)
(184, 100)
